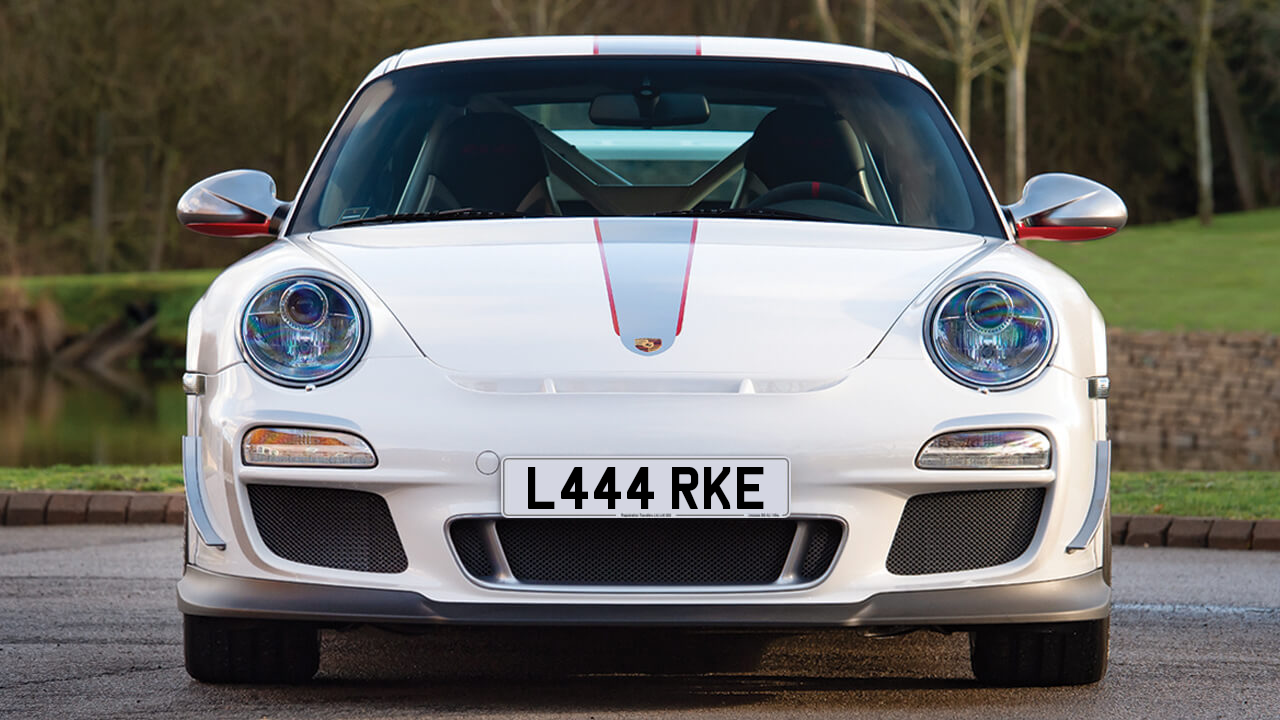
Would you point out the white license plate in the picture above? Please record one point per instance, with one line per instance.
(646, 487)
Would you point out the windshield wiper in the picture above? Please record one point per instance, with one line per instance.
(454, 214)
(766, 213)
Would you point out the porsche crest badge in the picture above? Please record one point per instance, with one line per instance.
(648, 345)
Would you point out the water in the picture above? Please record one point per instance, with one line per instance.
(72, 417)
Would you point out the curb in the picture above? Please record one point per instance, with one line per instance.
(151, 508)
(1194, 532)
(92, 508)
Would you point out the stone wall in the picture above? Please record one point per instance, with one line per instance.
(1199, 400)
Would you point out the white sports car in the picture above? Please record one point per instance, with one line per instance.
(647, 331)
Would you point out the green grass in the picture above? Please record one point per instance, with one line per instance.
(88, 301)
(153, 478)
(1182, 276)
(1240, 495)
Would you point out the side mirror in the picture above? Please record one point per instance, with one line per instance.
(236, 203)
(1058, 206)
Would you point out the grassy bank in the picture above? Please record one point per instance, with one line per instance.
(1241, 495)
(1180, 275)
(151, 478)
(87, 301)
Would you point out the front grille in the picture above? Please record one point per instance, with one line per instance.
(953, 531)
(646, 552)
(343, 529)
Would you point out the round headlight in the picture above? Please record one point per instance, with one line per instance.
(302, 330)
(990, 333)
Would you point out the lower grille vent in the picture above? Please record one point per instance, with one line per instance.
(646, 552)
(342, 529)
(953, 531)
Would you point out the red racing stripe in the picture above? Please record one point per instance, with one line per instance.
(688, 268)
(608, 286)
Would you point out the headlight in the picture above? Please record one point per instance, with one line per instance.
(302, 330)
(990, 333)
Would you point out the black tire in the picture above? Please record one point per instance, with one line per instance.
(1040, 655)
(225, 650)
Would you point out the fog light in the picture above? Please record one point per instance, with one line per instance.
(299, 446)
(980, 449)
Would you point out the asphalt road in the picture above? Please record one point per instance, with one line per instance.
(88, 628)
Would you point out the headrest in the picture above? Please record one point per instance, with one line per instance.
(803, 142)
(488, 160)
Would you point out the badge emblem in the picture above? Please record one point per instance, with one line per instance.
(648, 345)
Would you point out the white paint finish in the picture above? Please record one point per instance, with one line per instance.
(573, 45)
(851, 452)
(766, 299)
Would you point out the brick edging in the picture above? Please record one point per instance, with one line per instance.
(1195, 532)
(147, 508)
(72, 507)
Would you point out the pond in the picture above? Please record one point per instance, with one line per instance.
(73, 417)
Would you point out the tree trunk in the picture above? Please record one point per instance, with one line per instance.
(964, 96)
(868, 23)
(99, 202)
(1015, 136)
(1200, 104)
(826, 23)
(1227, 99)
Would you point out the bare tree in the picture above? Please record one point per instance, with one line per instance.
(1016, 19)
(730, 17)
(827, 27)
(1201, 45)
(959, 25)
(868, 23)
(548, 17)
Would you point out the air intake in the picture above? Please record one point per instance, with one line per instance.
(953, 531)
(683, 553)
(326, 527)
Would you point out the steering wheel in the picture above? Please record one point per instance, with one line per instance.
(806, 190)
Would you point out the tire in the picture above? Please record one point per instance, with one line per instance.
(1040, 655)
(225, 650)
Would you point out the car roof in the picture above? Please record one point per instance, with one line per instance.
(654, 45)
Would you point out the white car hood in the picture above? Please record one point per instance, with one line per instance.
(578, 298)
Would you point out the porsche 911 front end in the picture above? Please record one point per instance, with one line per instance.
(646, 331)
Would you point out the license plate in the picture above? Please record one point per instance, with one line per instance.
(646, 487)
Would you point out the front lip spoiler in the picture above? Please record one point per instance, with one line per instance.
(1084, 597)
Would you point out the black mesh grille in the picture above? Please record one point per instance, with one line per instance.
(469, 544)
(344, 529)
(824, 540)
(683, 552)
(952, 531)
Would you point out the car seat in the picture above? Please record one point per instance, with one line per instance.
(801, 143)
(487, 161)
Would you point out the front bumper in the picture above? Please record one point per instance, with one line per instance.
(851, 448)
(1084, 597)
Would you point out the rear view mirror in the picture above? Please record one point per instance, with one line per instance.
(236, 203)
(641, 110)
(1058, 206)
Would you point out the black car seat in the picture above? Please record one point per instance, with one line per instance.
(487, 161)
(801, 143)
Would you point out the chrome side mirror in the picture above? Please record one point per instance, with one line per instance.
(236, 203)
(1058, 206)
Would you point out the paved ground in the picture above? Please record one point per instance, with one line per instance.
(88, 629)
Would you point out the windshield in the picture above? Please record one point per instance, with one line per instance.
(646, 136)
